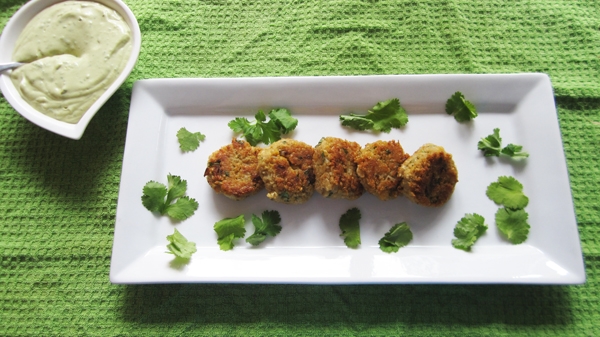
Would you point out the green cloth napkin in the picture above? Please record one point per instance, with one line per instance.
(59, 196)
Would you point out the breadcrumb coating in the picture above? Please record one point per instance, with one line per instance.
(286, 167)
(335, 169)
(233, 170)
(377, 168)
(428, 176)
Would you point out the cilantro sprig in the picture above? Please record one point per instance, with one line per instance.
(349, 225)
(511, 219)
(462, 109)
(180, 246)
(189, 141)
(507, 191)
(397, 237)
(468, 229)
(260, 130)
(383, 117)
(492, 146)
(176, 205)
(268, 225)
(513, 224)
(228, 230)
(515, 151)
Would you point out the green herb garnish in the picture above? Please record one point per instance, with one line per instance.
(462, 109)
(268, 225)
(382, 117)
(180, 246)
(468, 230)
(492, 146)
(512, 219)
(515, 151)
(228, 230)
(349, 224)
(281, 122)
(508, 192)
(176, 205)
(397, 237)
(189, 141)
(513, 224)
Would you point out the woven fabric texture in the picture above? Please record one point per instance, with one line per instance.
(59, 196)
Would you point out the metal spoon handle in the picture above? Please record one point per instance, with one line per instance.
(10, 65)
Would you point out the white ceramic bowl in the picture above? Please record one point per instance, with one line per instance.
(7, 42)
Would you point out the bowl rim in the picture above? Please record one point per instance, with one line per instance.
(9, 35)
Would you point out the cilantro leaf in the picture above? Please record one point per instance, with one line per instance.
(153, 197)
(239, 124)
(507, 191)
(180, 246)
(281, 122)
(468, 230)
(383, 116)
(357, 122)
(513, 224)
(387, 115)
(515, 151)
(266, 132)
(270, 132)
(189, 141)
(491, 145)
(462, 109)
(257, 237)
(229, 229)
(251, 132)
(260, 116)
(267, 226)
(154, 193)
(177, 188)
(350, 227)
(397, 237)
(182, 209)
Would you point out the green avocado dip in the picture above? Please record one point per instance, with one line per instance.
(75, 50)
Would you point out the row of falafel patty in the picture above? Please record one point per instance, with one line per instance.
(292, 170)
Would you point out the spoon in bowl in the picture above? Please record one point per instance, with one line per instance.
(9, 65)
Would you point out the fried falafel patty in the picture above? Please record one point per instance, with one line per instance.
(286, 167)
(428, 176)
(335, 169)
(377, 168)
(233, 170)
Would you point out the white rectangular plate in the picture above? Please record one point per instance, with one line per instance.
(309, 248)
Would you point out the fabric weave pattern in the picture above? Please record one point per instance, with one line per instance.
(59, 196)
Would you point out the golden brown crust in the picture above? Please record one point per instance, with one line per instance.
(286, 167)
(233, 170)
(428, 176)
(335, 169)
(377, 168)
